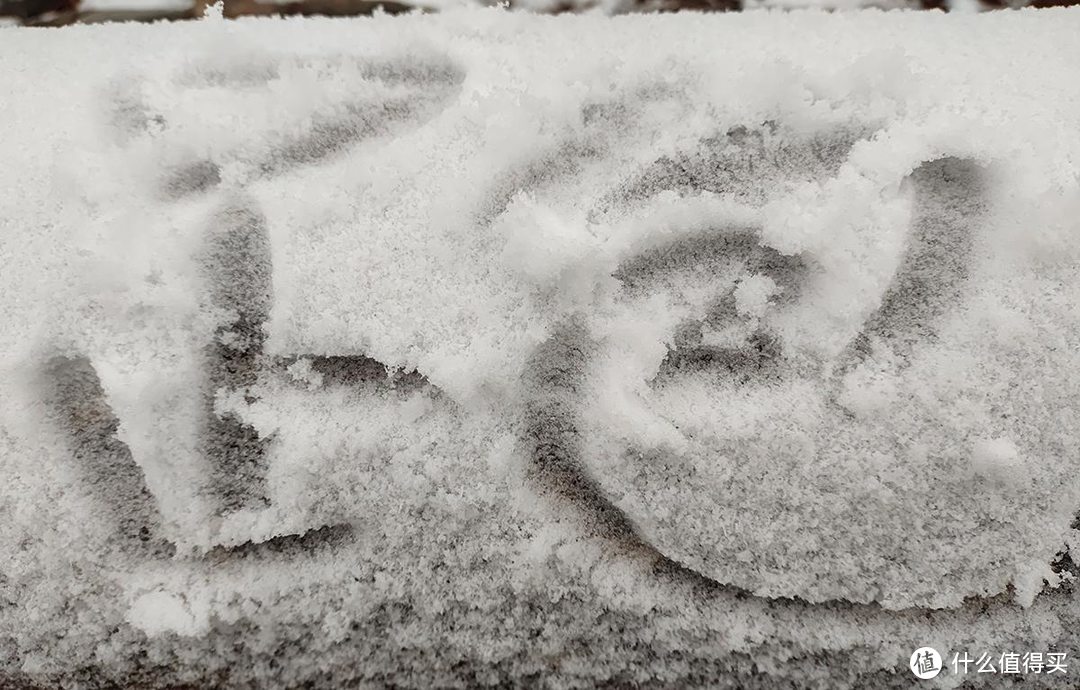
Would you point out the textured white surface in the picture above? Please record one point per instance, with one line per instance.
(537, 335)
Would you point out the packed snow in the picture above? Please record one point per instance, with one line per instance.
(483, 347)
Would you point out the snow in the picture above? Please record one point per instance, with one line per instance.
(752, 294)
(159, 612)
(997, 459)
(494, 342)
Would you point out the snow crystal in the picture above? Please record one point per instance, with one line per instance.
(483, 346)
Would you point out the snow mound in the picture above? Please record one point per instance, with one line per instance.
(449, 327)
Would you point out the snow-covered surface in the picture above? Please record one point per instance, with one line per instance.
(482, 346)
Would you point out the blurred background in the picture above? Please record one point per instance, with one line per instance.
(60, 12)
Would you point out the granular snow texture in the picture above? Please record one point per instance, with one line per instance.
(486, 349)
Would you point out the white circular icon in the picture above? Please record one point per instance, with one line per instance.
(925, 663)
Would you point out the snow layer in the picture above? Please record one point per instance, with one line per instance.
(483, 346)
